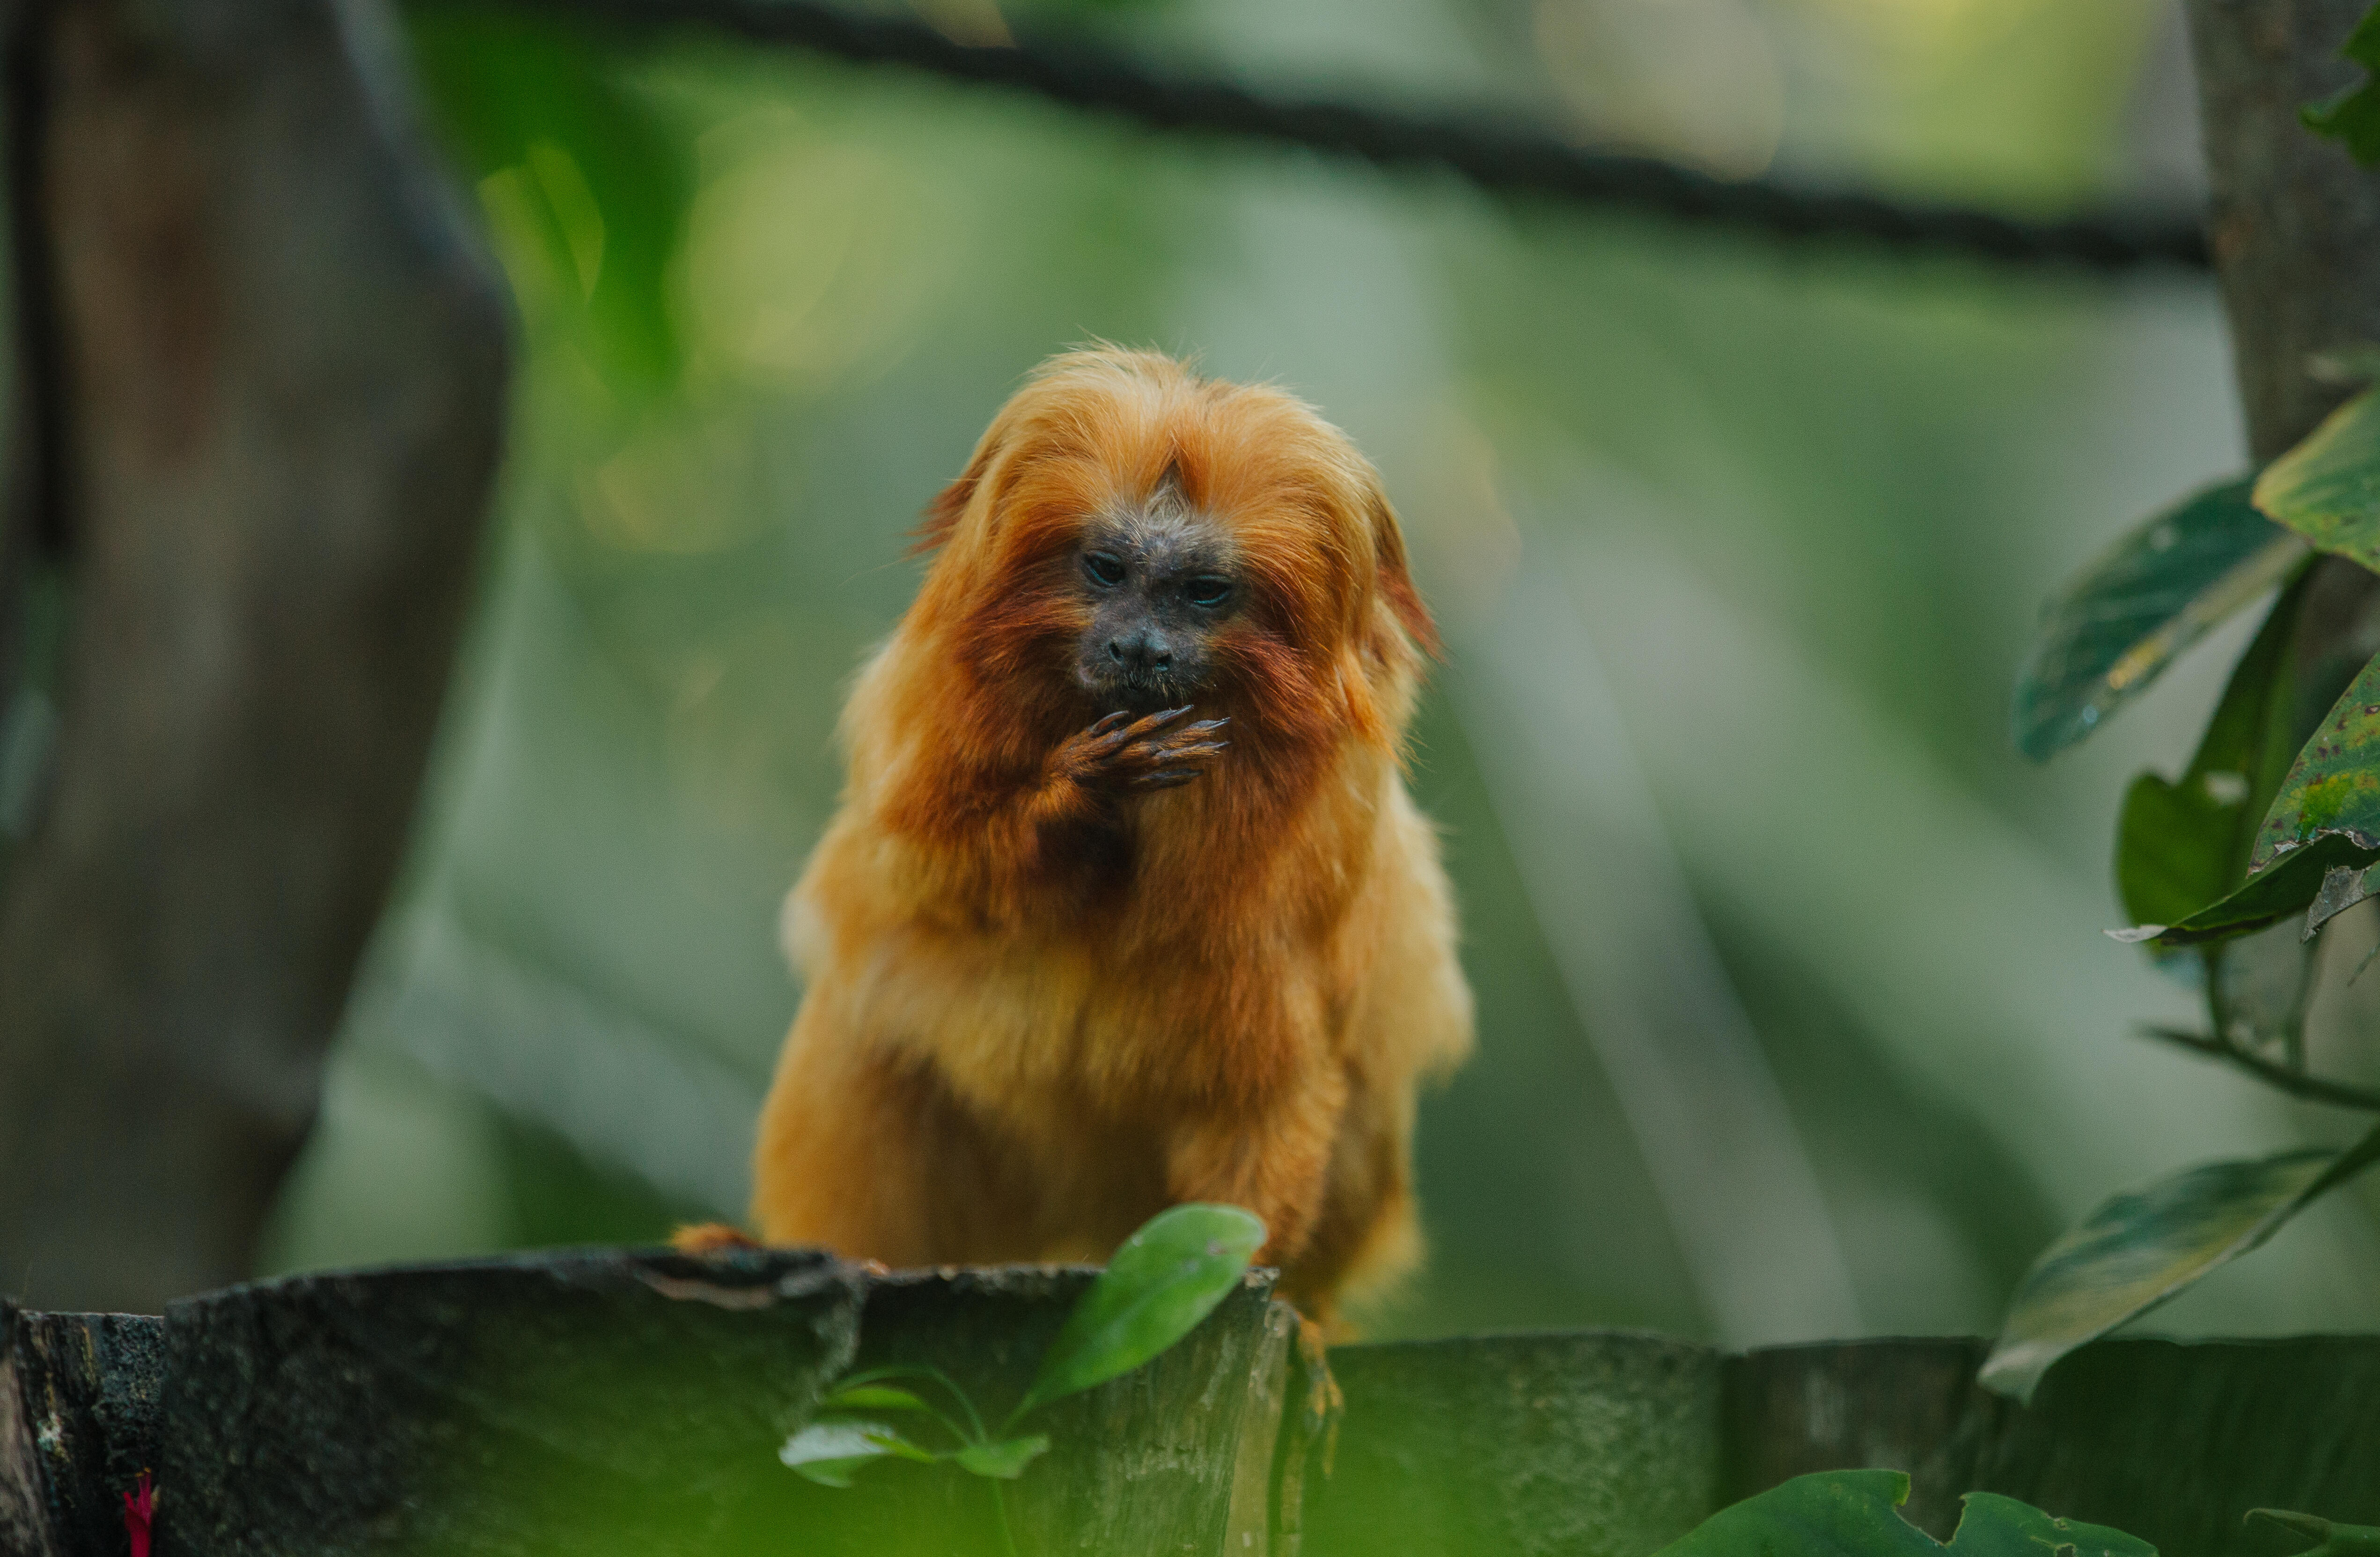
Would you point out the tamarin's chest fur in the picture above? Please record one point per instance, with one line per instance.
(1143, 963)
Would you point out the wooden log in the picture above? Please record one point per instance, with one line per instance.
(92, 1387)
(2172, 1442)
(1175, 1457)
(1586, 1444)
(24, 1515)
(583, 1401)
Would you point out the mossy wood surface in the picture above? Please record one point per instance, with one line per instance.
(2172, 1441)
(88, 1387)
(1585, 1444)
(586, 1403)
(1174, 1457)
(615, 1402)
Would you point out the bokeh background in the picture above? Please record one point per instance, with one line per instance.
(1795, 1018)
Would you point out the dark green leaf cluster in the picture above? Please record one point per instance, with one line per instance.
(2354, 115)
(2276, 819)
(1856, 1513)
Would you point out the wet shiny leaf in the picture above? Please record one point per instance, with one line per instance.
(2146, 1245)
(1854, 1513)
(2328, 489)
(831, 1453)
(1164, 1280)
(2141, 604)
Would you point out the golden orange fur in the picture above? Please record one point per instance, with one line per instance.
(1037, 1011)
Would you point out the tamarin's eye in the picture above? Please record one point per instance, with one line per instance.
(1105, 570)
(1208, 591)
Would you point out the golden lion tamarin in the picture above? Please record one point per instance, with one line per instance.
(1126, 904)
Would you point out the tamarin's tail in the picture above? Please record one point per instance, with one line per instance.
(709, 1237)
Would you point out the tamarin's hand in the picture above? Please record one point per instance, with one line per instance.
(1144, 754)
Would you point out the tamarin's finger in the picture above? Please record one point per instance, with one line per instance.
(1160, 719)
(1109, 722)
(1206, 724)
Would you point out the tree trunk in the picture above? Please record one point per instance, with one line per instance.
(272, 388)
(2293, 222)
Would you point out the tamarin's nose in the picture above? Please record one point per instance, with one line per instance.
(1143, 653)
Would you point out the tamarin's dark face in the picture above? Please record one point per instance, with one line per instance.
(1160, 583)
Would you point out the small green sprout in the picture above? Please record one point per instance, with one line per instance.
(1165, 1279)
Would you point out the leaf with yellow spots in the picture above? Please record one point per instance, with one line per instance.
(2334, 787)
(2325, 816)
(2155, 594)
(2328, 489)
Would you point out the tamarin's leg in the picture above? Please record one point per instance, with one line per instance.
(864, 1153)
(1275, 1162)
(1367, 1234)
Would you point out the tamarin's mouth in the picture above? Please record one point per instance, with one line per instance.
(1141, 694)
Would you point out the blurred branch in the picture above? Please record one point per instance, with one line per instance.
(2296, 1083)
(276, 393)
(1484, 147)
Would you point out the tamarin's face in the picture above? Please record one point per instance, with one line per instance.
(1160, 583)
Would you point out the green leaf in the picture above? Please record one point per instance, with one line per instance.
(2144, 601)
(607, 178)
(1854, 1513)
(1164, 1280)
(2145, 1245)
(2288, 885)
(1004, 1459)
(832, 1453)
(874, 1397)
(2354, 115)
(2334, 787)
(2183, 844)
(1992, 1526)
(2336, 1540)
(2328, 489)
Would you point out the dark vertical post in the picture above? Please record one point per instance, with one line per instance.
(274, 396)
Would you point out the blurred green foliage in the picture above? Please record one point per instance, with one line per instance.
(2353, 115)
(1805, 500)
(587, 182)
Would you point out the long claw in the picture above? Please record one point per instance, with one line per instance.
(1109, 722)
